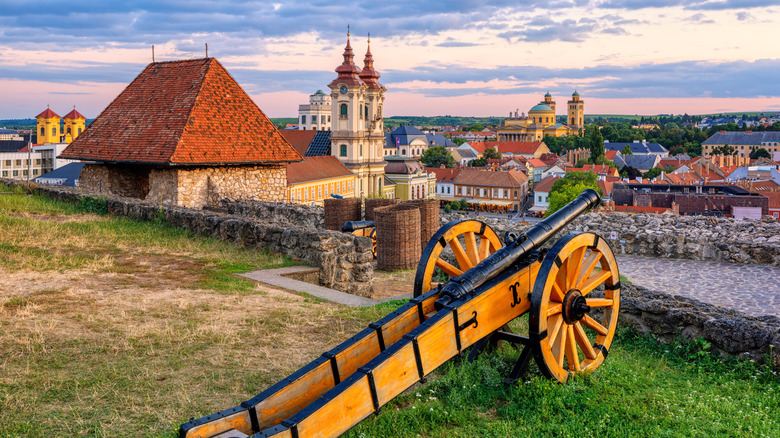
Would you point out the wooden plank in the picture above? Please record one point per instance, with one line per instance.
(397, 373)
(437, 343)
(282, 434)
(357, 355)
(339, 414)
(394, 330)
(294, 396)
(239, 421)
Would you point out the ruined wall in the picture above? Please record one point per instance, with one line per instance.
(115, 180)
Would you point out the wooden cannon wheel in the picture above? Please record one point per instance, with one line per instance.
(479, 240)
(573, 324)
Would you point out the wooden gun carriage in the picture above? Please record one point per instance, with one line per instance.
(467, 288)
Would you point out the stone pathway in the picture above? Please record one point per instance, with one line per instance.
(752, 289)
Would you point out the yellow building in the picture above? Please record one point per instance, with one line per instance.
(48, 127)
(410, 178)
(75, 123)
(316, 178)
(49, 130)
(540, 121)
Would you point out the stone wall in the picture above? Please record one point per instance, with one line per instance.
(275, 212)
(669, 236)
(186, 187)
(344, 259)
(669, 316)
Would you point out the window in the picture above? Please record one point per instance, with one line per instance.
(16, 173)
(37, 161)
(5, 174)
(495, 193)
(361, 150)
(448, 190)
(322, 119)
(8, 163)
(319, 192)
(506, 193)
(365, 108)
(468, 191)
(343, 110)
(42, 131)
(303, 119)
(79, 130)
(540, 198)
(18, 162)
(515, 193)
(343, 150)
(53, 130)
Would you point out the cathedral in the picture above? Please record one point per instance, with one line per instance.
(50, 130)
(540, 121)
(357, 129)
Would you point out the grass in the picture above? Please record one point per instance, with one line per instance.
(114, 327)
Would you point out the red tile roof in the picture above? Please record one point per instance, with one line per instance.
(477, 177)
(549, 159)
(535, 162)
(610, 155)
(316, 169)
(478, 146)
(74, 115)
(546, 184)
(182, 113)
(299, 139)
(47, 114)
(515, 147)
(774, 199)
(444, 175)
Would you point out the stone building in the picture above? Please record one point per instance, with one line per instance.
(184, 133)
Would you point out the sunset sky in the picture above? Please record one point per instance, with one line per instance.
(469, 58)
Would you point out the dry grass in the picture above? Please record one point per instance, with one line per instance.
(113, 327)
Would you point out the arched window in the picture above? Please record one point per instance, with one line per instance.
(53, 130)
(343, 150)
(42, 131)
(366, 110)
(403, 151)
(79, 130)
(68, 129)
(343, 110)
(361, 150)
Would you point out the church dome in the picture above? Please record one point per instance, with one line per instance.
(575, 94)
(540, 108)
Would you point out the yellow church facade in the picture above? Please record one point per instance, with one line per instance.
(50, 130)
(540, 121)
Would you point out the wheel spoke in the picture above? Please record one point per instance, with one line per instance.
(460, 254)
(471, 247)
(590, 265)
(583, 341)
(571, 350)
(556, 294)
(599, 302)
(574, 263)
(434, 285)
(556, 322)
(559, 346)
(554, 308)
(595, 325)
(484, 248)
(448, 269)
(594, 281)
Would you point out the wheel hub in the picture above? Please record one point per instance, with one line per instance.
(574, 306)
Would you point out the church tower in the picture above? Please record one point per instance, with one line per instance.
(548, 101)
(74, 125)
(48, 127)
(357, 126)
(576, 116)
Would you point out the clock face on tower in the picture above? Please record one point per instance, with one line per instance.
(343, 89)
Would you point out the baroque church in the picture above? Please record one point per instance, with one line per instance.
(357, 128)
(540, 121)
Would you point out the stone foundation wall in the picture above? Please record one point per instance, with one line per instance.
(186, 187)
(730, 332)
(275, 212)
(344, 260)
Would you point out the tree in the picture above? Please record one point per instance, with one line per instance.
(626, 150)
(596, 144)
(652, 173)
(476, 127)
(479, 162)
(724, 150)
(436, 156)
(491, 153)
(759, 153)
(458, 140)
(569, 187)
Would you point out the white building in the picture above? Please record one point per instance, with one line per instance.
(316, 115)
(42, 159)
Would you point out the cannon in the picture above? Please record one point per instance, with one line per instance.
(467, 288)
(362, 229)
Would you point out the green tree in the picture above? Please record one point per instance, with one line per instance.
(479, 162)
(596, 144)
(724, 150)
(458, 140)
(626, 150)
(491, 153)
(569, 187)
(476, 127)
(760, 152)
(436, 156)
(652, 173)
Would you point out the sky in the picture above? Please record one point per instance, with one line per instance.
(454, 57)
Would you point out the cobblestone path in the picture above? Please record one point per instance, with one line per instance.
(752, 289)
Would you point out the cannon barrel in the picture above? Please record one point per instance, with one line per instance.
(529, 241)
(350, 226)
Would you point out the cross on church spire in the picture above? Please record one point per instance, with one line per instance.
(348, 30)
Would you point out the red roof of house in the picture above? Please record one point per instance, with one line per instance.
(444, 175)
(546, 184)
(549, 159)
(536, 162)
(316, 169)
(477, 177)
(478, 146)
(182, 113)
(515, 147)
(606, 187)
(74, 115)
(600, 168)
(610, 155)
(774, 199)
(47, 114)
(299, 139)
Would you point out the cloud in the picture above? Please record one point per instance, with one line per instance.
(456, 44)
(744, 16)
(699, 18)
(695, 5)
